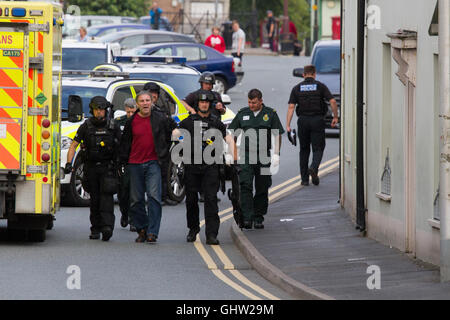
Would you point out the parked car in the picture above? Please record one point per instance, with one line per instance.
(164, 23)
(133, 39)
(326, 56)
(199, 56)
(104, 29)
(86, 55)
(73, 23)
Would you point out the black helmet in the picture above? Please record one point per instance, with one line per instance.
(204, 95)
(207, 77)
(151, 87)
(98, 102)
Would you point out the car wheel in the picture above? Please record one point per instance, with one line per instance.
(220, 85)
(176, 189)
(76, 196)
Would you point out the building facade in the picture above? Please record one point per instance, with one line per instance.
(401, 124)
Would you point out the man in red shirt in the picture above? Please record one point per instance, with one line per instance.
(144, 147)
(215, 40)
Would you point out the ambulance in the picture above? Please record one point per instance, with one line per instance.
(30, 118)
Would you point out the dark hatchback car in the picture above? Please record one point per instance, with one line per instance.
(198, 56)
(326, 56)
(135, 38)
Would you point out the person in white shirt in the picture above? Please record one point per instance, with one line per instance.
(83, 35)
(238, 45)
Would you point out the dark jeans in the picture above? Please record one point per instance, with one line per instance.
(254, 207)
(145, 179)
(311, 133)
(271, 43)
(206, 180)
(102, 204)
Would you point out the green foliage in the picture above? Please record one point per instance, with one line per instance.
(299, 12)
(134, 8)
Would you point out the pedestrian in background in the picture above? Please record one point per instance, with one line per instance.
(270, 28)
(238, 44)
(155, 15)
(308, 100)
(83, 35)
(123, 193)
(256, 117)
(144, 146)
(215, 40)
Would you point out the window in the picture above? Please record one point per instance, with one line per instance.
(120, 96)
(202, 54)
(190, 53)
(162, 52)
(132, 41)
(82, 58)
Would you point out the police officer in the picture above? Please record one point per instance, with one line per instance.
(207, 80)
(256, 120)
(123, 193)
(307, 98)
(100, 138)
(202, 175)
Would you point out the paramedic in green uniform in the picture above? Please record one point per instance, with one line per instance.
(255, 159)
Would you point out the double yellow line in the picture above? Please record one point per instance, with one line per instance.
(274, 194)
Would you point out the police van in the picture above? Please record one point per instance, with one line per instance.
(117, 82)
(30, 123)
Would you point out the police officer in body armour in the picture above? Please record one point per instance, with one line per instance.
(203, 176)
(100, 138)
(207, 80)
(307, 99)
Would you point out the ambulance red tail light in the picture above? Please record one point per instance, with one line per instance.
(45, 157)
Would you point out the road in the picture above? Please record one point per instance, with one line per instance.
(171, 269)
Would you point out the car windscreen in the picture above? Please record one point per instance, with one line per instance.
(85, 93)
(327, 59)
(83, 58)
(183, 84)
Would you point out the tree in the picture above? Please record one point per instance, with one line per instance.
(134, 8)
(299, 12)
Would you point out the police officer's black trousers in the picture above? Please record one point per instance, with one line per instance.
(102, 204)
(311, 133)
(207, 180)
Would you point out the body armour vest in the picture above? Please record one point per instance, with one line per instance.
(310, 100)
(100, 146)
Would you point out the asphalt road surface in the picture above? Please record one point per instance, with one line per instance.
(70, 266)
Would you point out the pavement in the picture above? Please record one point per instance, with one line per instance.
(249, 51)
(311, 249)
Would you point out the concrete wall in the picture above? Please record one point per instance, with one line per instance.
(389, 125)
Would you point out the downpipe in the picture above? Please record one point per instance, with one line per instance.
(360, 188)
(444, 170)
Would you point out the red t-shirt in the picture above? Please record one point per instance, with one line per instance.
(215, 42)
(143, 146)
